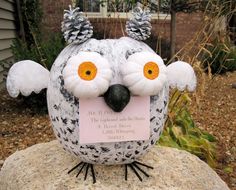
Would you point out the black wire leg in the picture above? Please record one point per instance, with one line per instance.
(86, 166)
(135, 167)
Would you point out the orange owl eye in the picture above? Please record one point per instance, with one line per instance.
(151, 70)
(87, 71)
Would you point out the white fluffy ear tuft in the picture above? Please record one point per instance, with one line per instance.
(26, 77)
(181, 75)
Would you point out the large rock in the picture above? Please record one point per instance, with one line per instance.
(45, 166)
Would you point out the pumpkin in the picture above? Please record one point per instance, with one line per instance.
(144, 73)
(87, 75)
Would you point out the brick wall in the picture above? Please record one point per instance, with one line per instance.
(187, 24)
(53, 14)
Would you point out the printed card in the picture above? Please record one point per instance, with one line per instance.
(99, 123)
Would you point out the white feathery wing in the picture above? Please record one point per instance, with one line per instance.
(181, 75)
(26, 77)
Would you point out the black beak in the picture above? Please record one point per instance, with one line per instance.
(117, 97)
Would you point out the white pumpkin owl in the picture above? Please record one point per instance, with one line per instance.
(116, 69)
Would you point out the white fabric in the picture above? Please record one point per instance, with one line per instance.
(26, 77)
(181, 75)
(82, 88)
(133, 76)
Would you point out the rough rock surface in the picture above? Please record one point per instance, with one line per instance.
(45, 166)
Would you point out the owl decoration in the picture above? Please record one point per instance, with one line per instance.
(115, 70)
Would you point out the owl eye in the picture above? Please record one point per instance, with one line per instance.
(151, 70)
(87, 75)
(87, 70)
(144, 73)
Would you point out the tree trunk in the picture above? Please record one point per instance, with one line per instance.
(21, 24)
(173, 33)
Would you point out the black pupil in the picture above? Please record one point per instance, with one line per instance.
(88, 72)
(150, 72)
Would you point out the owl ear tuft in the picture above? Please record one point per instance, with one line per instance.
(139, 26)
(75, 26)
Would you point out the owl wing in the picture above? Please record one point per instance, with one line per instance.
(181, 75)
(26, 77)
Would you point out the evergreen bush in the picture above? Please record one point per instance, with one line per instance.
(221, 56)
(31, 45)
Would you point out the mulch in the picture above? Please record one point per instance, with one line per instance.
(23, 124)
(215, 112)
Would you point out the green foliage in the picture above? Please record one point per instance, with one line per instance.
(31, 44)
(228, 169)
(180, 131)
(49, 48)
(52, 47)
(32, 16)
(220, 56)
(21, 51)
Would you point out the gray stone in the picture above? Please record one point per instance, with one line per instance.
(45, 166)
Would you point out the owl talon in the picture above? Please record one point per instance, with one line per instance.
(135, 168)
(86, 171)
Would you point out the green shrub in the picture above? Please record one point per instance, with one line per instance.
(52, 47)
(31, 44)
(180, 131)
(44, 53)
(31, 12)
(21, 51)
(221, 56)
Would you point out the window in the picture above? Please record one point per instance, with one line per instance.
(89, 5)
(118, 7)
(121, 8)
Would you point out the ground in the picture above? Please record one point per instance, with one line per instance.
(23, 124)
(216, 113)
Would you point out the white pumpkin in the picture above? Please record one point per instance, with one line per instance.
(144, 74)
(87, 75)
(181, 76)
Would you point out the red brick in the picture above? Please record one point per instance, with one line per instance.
(186, 24)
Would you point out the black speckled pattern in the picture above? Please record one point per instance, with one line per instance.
(64, 107)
